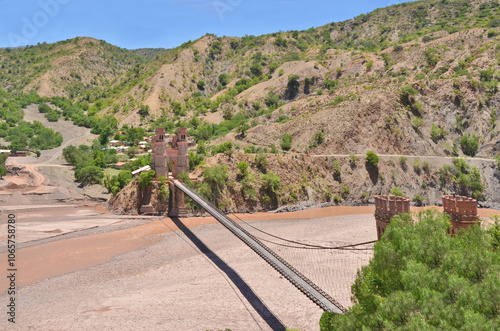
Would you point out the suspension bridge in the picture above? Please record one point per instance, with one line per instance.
(301, 282)
(173, 154)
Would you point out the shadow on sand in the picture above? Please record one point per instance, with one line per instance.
(257, 304)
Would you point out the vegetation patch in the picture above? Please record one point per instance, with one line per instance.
(421, 276)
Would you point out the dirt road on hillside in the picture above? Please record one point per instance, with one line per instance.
(51, 164)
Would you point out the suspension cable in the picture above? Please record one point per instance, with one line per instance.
(307, 246)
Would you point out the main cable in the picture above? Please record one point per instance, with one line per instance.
(307, 246)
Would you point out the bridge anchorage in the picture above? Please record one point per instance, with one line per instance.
(175, 155)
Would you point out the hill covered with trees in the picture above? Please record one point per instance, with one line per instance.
(418, 78)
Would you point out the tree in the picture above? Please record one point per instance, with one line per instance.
(44, 108)
(243, 128)
(261, 162)
(3, 168)
(372, 158)
(256, 69)
(243, 167)
(132, 151)
(104, 136)
(421, 278)
(293, 86)
(216, 176)
(469, 144)
(286, 142)
(397, 192)
(146, 179)
(89, 175)
(224, 79)
(272, 182)
(144, 110)
(318, 139)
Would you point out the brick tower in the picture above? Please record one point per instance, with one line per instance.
(175, 154)
(462, 210)
(386, 207)
(159, 159)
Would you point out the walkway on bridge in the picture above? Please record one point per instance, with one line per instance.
(306, 286)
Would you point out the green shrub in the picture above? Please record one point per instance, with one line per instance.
(369, 65)
(397, 48)
(53, 116)
(353, 158)
(406, 92)
(417, 166)
(195, 159)
(465, 178)
(216, 177)
(417, 121)
(492, 33)
(431, 56)
(419, 275)
(418, 199)
(344, 191)
(272, 182)
(225, 148)
(337, 169)
(256, 69)
(402, 161)
(247, 186)
(437, 132)
(224, 79)
(44, 108)
(426, 166)
(337, 100)
(286, 142)
(372, 158)
(397, 192)
(318, 139)
(89, 175)
(272, 100)
(146, 179)
(243, 167)
(261, 162)
(469, 143)
(497, 157)
(293, 86)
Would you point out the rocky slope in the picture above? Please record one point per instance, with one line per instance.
(419, 79)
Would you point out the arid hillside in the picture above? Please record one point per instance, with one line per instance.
(71, 68)
(417, 79)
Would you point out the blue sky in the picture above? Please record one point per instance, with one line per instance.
(166, 23)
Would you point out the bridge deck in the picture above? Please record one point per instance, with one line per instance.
(306, 286)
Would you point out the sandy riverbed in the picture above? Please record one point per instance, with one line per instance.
(157, 277)
(150, 277)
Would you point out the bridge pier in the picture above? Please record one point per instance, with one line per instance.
(176, 202)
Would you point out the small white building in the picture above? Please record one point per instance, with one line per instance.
(137, 172)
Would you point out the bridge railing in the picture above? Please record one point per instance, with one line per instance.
(306, 286)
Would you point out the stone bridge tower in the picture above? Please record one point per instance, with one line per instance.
(171, 153)
(462, 210)
(386, 207)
